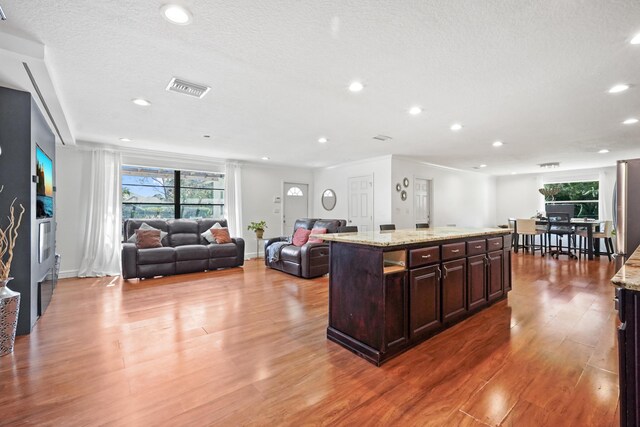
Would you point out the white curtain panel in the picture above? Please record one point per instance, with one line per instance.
(233, 197)
(103, 215)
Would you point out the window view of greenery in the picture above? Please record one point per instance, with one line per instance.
(584, 195)
(152, 193)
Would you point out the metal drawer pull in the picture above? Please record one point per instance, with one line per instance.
(479, 247)
(455, 251)
(426, 256)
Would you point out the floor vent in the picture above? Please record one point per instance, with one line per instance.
(187, 88)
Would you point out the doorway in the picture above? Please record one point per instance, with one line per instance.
(295, 205)
(361, 202)
(422, 201)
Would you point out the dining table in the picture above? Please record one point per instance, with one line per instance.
(593, 248)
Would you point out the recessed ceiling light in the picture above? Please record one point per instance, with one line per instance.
(414, 111)
(356, 86)
(619, 88)
(456, 127)
(125, 139)
(141, 102)
(636, 39)
(603, 151)
(322, 140)
(265, 158)
(631, 121)
(497, 144)
(176, 14)
(483, 166)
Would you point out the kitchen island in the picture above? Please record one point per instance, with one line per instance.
(389, 291)
(627, 300)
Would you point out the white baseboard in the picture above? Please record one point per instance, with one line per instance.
(68, 274)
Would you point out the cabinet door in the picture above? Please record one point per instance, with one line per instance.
(395, 300)
(477, 281)
(424, 297)
(506, 274)
(495, 275)
(454, 287)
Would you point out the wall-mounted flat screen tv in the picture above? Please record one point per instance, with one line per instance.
(44, 185)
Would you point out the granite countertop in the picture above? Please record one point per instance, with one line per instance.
(404, 237)
(628, 276)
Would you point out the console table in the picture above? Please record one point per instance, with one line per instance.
(389, 291)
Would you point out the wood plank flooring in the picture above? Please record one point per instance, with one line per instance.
(247, 346)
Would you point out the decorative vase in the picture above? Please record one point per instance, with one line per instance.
(259, 233)
(9, 306)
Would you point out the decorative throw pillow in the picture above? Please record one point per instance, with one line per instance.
(207, 234)
(146, 239)
(301, 236)
(317, 231)
(145, 226)
(221, 235)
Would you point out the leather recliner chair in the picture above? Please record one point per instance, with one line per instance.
(309, 260)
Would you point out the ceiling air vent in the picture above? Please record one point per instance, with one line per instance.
(550, 165)
(383, 138)
(187, 88)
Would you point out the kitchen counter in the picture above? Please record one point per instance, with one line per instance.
(408, 237)
(628, 277)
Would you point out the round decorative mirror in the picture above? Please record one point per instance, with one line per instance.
(405, 182)
(328, 199)
(403, 195)
(398, 187)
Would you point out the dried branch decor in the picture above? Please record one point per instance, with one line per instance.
(8, 237)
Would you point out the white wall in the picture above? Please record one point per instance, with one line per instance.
(72, 176)
(518, 195)
(467, 199)
(336, 178)
(260, 184)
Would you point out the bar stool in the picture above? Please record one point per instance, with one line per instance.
(348, 229)
(527, 228)
(560, 226)
(604, 234)
(422, 225)
(387, 227)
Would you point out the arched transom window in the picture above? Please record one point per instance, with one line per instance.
(295, 192)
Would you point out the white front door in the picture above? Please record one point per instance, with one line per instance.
(361, 202)
(296, 205)
(421, 203)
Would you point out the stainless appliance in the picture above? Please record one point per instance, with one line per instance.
(626, 209)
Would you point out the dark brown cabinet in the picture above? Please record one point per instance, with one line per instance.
(395, 300)
(494, 276)
(506, 271)
(424, 310)
(454, 289)
(477, 281)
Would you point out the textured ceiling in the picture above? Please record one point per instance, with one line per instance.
(533, 74)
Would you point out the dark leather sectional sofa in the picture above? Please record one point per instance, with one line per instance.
(309, 260)
(184, 249)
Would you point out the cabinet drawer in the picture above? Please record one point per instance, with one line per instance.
(424, 256)
(476, 247)
(453, 250)
(494, 243)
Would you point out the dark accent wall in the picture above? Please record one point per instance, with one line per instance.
(22, 126)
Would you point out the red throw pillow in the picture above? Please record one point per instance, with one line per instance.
(301, 236)
(317, 231)
(146, 239)
(221, 235)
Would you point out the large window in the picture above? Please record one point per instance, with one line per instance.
(165, 193)
(583, 194)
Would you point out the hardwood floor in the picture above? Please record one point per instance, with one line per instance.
(247, 346)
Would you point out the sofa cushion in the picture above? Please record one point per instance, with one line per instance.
(317, 231)
(330, 224)
(221, 235)
(301, 236)
(131, 225)
(304, 223)
(183, 232)
(290, 253)
(156, 255)
(208, 236)
(222, 250)
(204, 225)
(146, 239)
(191, 252)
